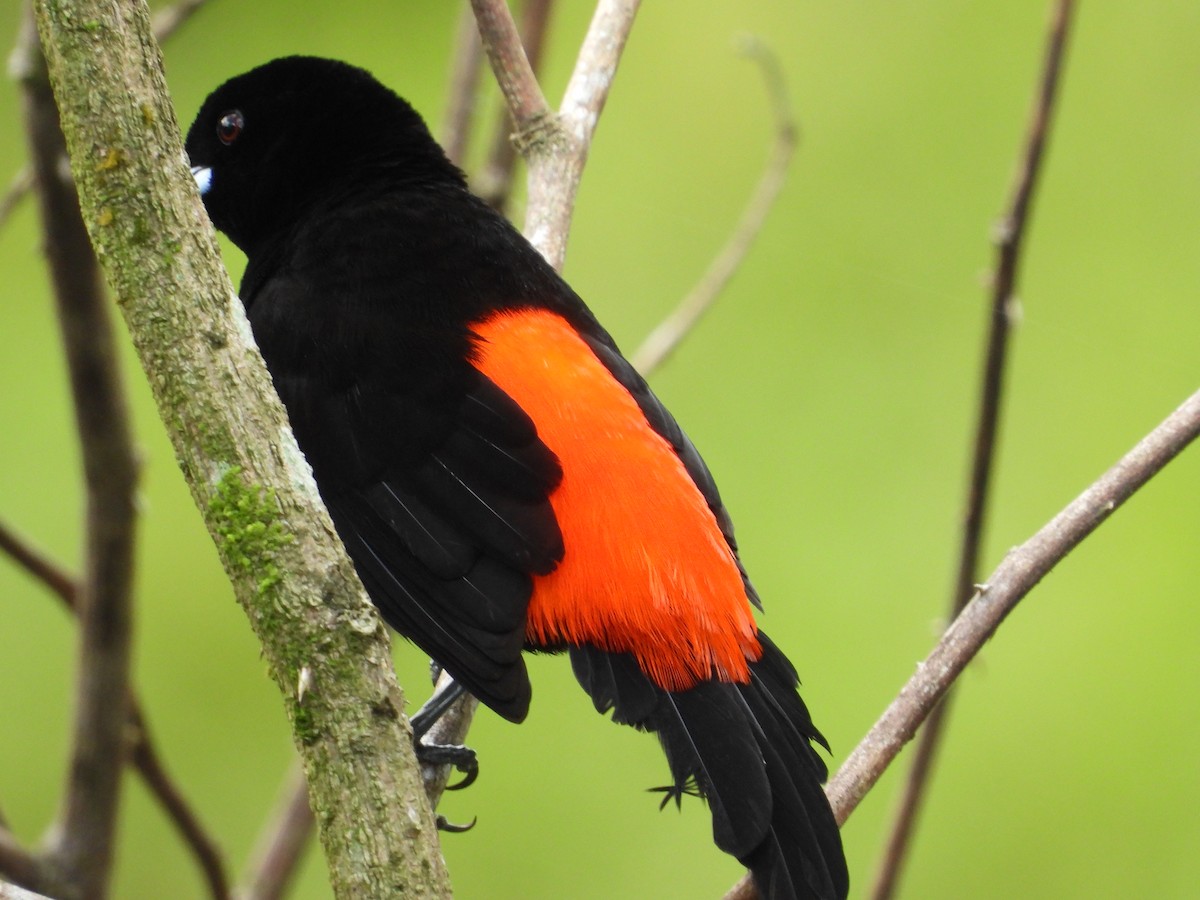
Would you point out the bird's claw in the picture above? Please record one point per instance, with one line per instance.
(443, 824)
(462, 758)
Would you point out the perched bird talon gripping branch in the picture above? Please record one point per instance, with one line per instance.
(501, 476)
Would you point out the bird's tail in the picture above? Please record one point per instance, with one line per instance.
(747, 749)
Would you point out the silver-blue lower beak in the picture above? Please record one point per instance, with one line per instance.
(203, 176)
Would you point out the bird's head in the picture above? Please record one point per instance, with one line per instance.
(268, 144)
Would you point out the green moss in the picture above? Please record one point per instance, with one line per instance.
(246, 520)
(304, 725)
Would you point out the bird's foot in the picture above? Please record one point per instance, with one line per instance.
(431, 754)
(462, 758)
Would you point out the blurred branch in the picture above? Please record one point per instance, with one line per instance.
(1009, 237)
(38, 565)
(79, 857)
(231, 438)
(281, 844)
(170, 19)
(142, 754)
(18, 188)
(494, 180)
(666, 336)
(465, 64)
(144, 757)
(17, 863)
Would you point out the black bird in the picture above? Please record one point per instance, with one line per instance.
(500, 475)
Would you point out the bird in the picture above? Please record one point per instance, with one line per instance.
(501, 476)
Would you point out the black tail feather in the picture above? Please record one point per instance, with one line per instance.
(747, 749)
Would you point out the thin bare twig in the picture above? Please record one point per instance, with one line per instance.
(494, 180)
(556, 168)
(592, 78)
(81, 851)
(38, 565)
(144, 757)
(1019, 572)
(17, 190)
(1016, 576)
(555, 148)
(281, 843)
(1009, 239)
(450, 728)
(466, 63)
(666, 336)
(514, 74)
(169, 19)
(490, 24)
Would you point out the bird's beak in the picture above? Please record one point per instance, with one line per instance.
(203, 176)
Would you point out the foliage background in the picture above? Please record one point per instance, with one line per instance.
(832, 392)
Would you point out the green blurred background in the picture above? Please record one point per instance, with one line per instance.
(832, 392)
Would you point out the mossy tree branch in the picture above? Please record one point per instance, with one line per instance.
(233, 444)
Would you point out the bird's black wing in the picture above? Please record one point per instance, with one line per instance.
(436, 479)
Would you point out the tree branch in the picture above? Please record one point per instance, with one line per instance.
(513, 71)
(1019, 572)
(1016, 576)
(531, 116)
(80, 855)
(144, 757)
(465, 65)
(494, 181)
(230, 434)
(38, 565)
(556, 160)
(17, 189)
(450, 728)
(170, 19)
(281, 844)
(666, 336)
(1009, 239)
(17, 863)
(142, 754)
(284, 838)
(555, 147)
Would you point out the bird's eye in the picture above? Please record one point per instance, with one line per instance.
(230, 126)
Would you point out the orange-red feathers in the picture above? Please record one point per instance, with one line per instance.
(646, 570)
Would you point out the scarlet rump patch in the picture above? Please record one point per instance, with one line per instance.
(646, 568)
